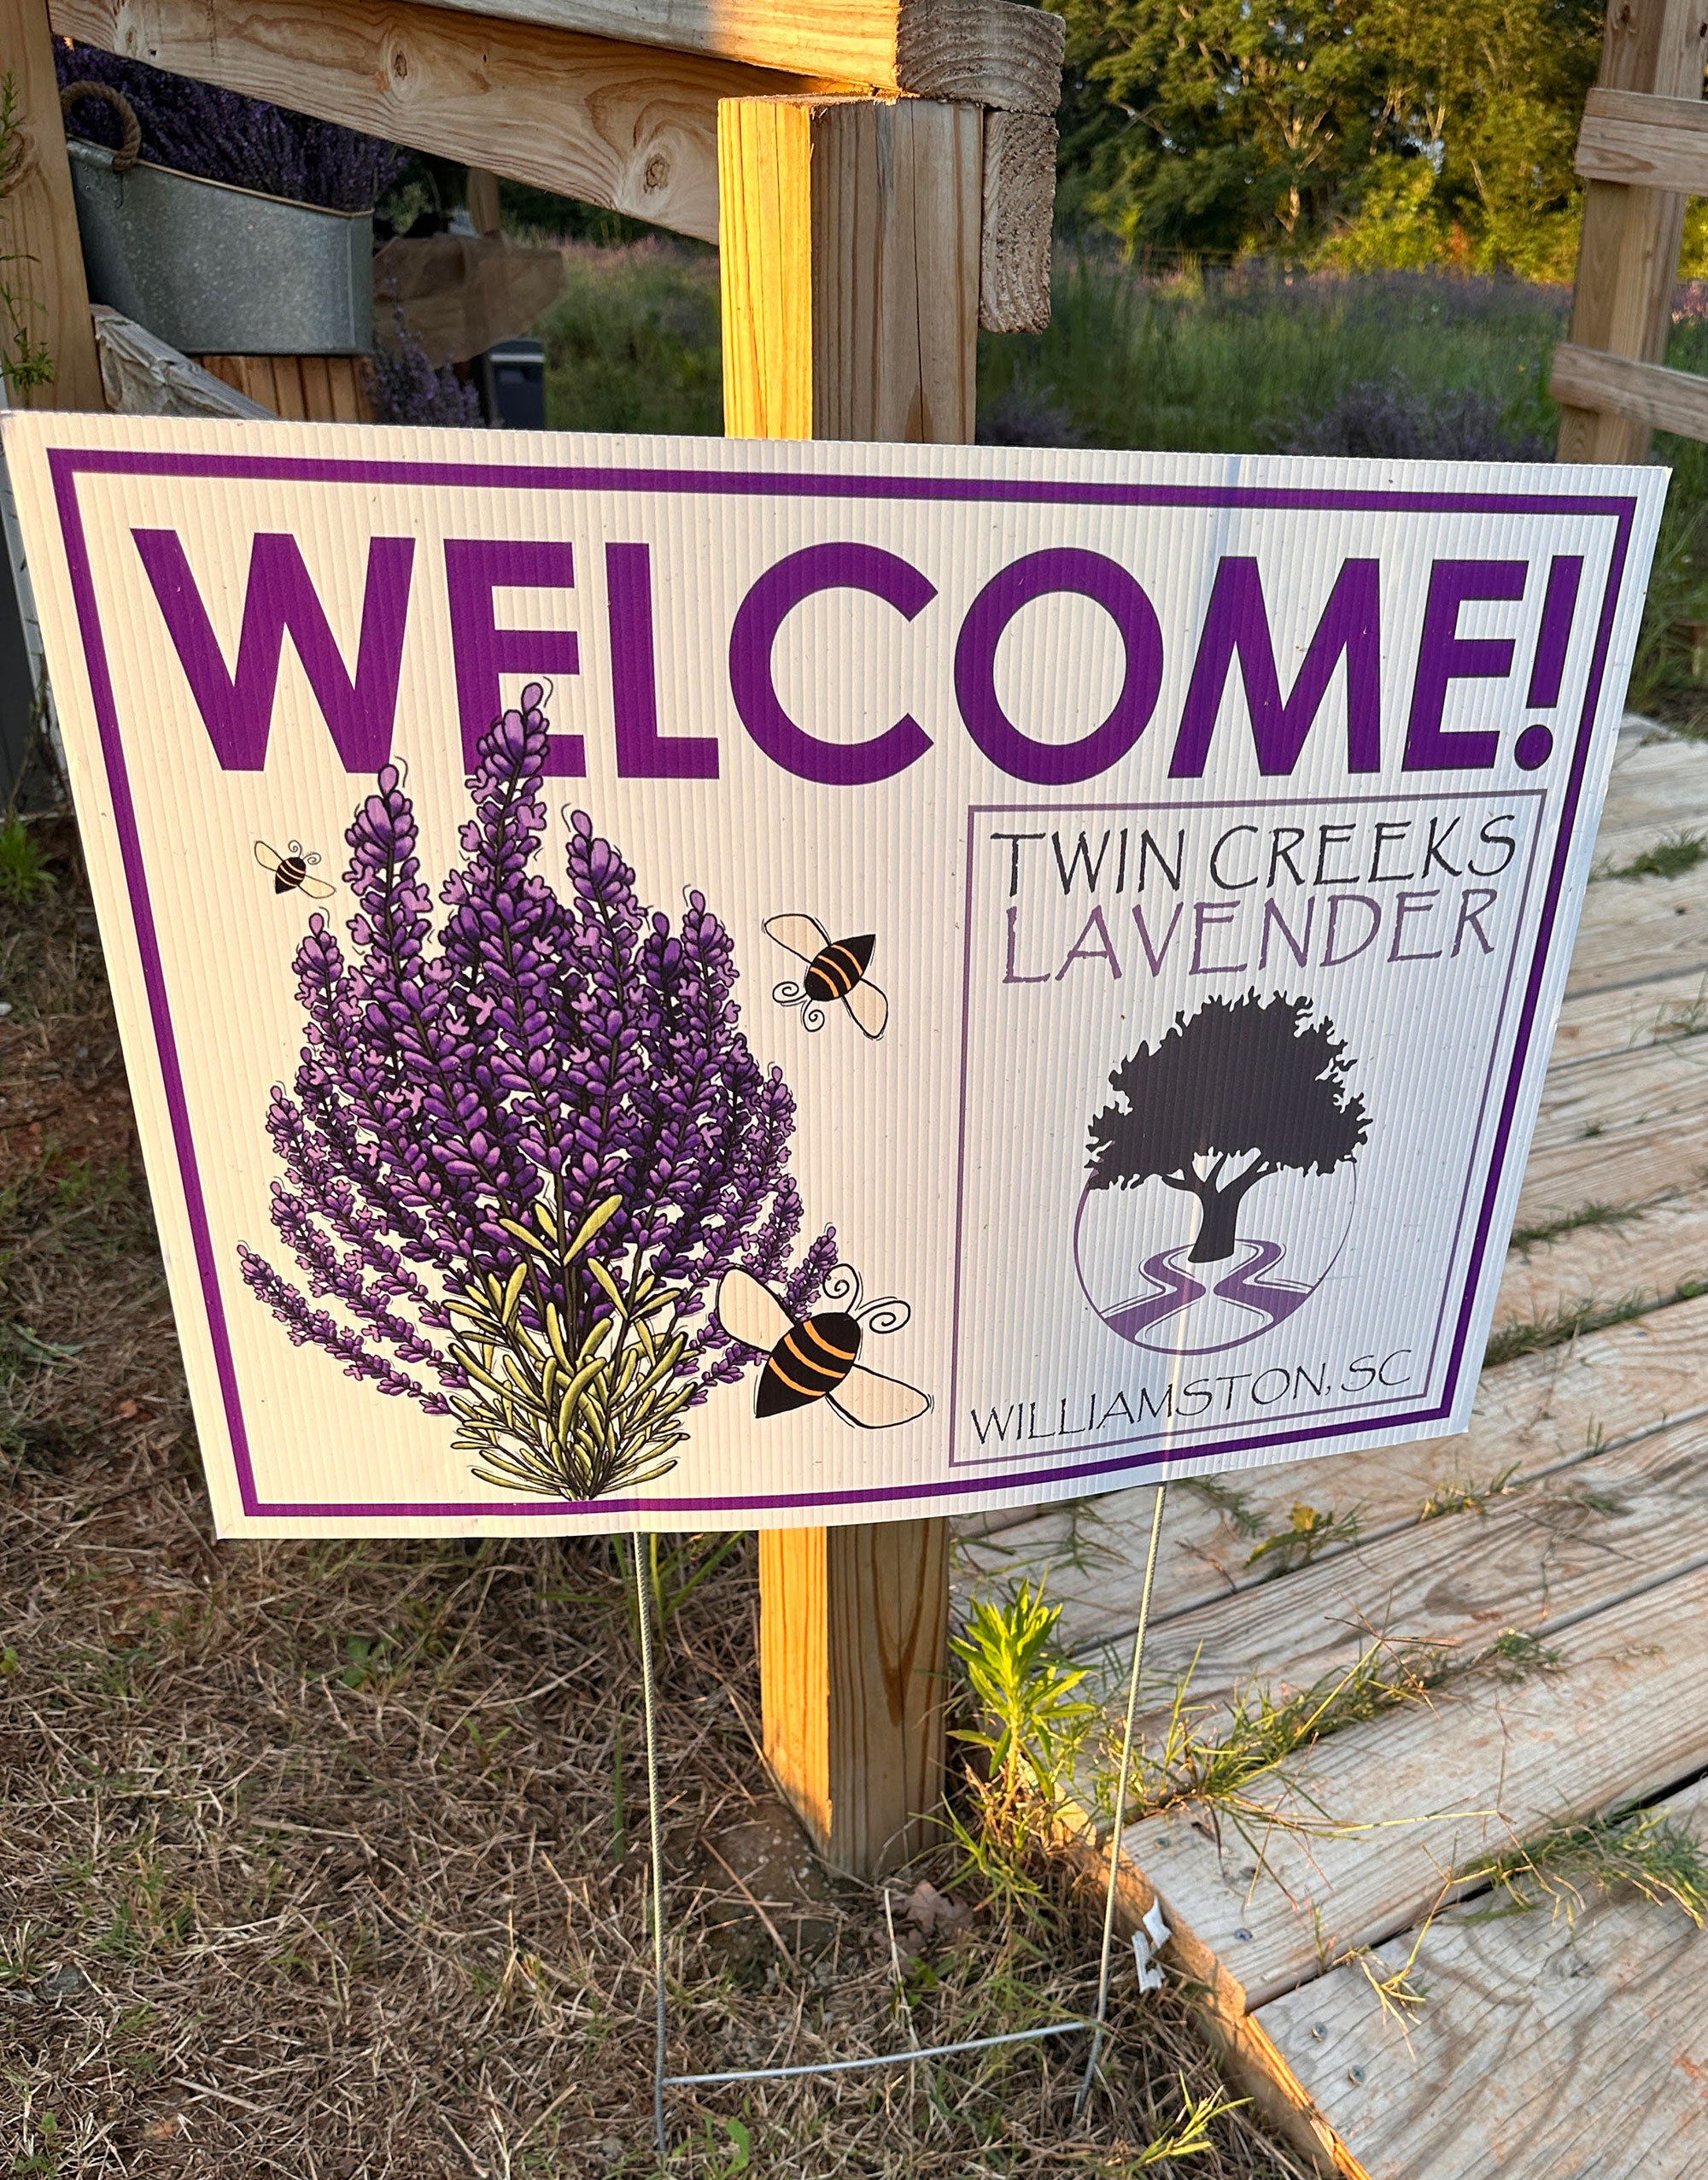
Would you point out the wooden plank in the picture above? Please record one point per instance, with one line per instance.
(1636, 928)
(618, 126)
(1647, 394)
(1659, 1010)
(1620, 1091)
(1651, 1253)
(1546, 2048)
(1631, 1165)
(1647, 142)
(1395, 1806)
(849, 264)
(1537, 1561)
(985, 52)
(39, 223)
(1629, 244)
(144, 376)
(1535, 1416)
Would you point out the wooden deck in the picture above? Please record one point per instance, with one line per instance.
(1573, 1512)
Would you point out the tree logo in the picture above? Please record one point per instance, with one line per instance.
(1246, 1098)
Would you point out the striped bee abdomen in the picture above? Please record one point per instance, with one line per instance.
(838, 968)
(808, 1362)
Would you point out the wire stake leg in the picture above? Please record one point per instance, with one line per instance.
(1121, 1804)
(655, 1832)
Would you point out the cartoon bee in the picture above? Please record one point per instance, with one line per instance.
(291, 872)
(818, 1358)
(835, 969)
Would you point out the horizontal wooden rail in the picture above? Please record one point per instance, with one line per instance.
(1647, 393)
(623, 126)
(981, 52)
(627, 126)
(1645, 141)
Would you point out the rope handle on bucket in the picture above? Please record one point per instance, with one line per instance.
(125, 157)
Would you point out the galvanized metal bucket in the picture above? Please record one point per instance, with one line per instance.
(218, 270)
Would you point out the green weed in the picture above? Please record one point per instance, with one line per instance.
(1024, 1690)
(1308, 1531)
(1526, 1238)
(1515, 1655)
(1646, 1852)
(1531, 1335)
(23, 874)
(1670, 857)
(1234, 1507)
(1454, 1496)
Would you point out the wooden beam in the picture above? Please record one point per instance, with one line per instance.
(986, 52)
(1646, 394)
(1627, 254)
(1646, 143)
(39, 238)
(1020, 205)
(849, 259)
(618, 126)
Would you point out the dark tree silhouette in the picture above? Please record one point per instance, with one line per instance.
(1245, 1079)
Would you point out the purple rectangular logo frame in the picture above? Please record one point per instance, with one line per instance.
(1210, 1446)
(66, 465)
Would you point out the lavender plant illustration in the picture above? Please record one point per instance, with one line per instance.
(521, 1152)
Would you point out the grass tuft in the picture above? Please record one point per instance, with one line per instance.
(1531, 1335)
(1526, 1238)
(1308, 1532)
(1454, 1495)
(1646, 1852)
(1670, 857)
(1235, 1507)
(23, 874)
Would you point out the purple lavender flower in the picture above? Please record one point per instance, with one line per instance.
(519, 1154)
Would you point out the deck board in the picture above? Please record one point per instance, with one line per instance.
(1545, 2049)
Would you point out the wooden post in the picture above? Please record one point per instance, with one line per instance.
(849, 233)
(39, 221)
(1627, 257)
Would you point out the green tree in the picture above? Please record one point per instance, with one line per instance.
(1364, 132)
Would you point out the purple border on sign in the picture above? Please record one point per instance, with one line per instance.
(1210, 1446)
(66, 464)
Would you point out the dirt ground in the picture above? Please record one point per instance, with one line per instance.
(328, 1861)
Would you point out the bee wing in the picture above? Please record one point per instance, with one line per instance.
(750, 1313)
(869, 1007)
(803, 937)
(875, 1403)
(268, 857)
(318, 888)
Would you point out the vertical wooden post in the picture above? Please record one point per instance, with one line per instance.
(1628, 255)
(38, 220)
(849, 233)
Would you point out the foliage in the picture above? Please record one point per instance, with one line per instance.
(1391, 420)
(1241, 1078)
(1309, 1531)
(1369, 134)
(23, 874)
(568, 1420)
(1024, 1689)
(23, 362)
(560, 1068)
(1647, 1851)
(406, 389)
(1670, 857)
(199, 129)
(633, 345)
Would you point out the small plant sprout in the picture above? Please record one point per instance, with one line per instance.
(1670, 857)
(1234, 1507)
(1192, 2136)
(1454, 1495)
(1307, 1533)
(1024, 1692)
(1645, 1851)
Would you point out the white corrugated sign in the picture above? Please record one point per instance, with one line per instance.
(689, 983)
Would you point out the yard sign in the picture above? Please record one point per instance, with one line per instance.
(687, 983)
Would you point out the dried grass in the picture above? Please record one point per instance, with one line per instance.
(328, 1860)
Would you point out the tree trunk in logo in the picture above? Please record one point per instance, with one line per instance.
(1218, 1234)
